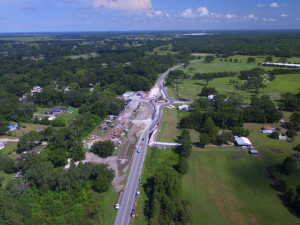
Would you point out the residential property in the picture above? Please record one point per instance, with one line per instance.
(56, 110)
(184, 108)
(267, 129)
(283, 137)
(242, 141)
(36, 89)
(2, 145)
(12, 127)
(127, 94)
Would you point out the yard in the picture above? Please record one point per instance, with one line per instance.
(168, 131)
(232, 188)
(26, 128)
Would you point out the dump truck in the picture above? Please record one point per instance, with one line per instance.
(118, 203)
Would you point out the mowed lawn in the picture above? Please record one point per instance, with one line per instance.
(232, 188)
(283, 83)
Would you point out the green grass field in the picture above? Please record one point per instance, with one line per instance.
(28, 127)
(69, 116)
(232, 188)
(283, 83)
(168, 130)
(217, 66)
(9, 148)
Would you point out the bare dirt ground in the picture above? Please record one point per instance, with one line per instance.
(135, 118)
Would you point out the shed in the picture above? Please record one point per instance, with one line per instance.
(2, 145)
(283, 137)
(184, 107)
(210, 98)
(18, 175)
(253, 152)
(242, 141)
(266, 127)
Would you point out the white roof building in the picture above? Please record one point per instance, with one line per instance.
(127, 94)
(184, 107)
(210, 97)
(242, 141)
(2, 145)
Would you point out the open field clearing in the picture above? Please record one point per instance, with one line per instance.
(84, 56)
(232, 188)
(26, 128)
(168, 131)
(283, 83)
(9, 148)
(217, 66)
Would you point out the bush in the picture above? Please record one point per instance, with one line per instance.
(103, 149)
(274, 135)
(281, 185)
(297, 148)
(289, 165)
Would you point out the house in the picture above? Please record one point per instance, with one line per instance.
(56, 110)
(297, 155)
(283, 137)
(184, 108)
(267, 129)
(12, 127)
(2, 145)
(242, 141)
(127, 94)
(18, 175)
(254, 152)
(210, 98)
(36, 89)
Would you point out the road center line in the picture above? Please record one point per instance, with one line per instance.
(131, 189)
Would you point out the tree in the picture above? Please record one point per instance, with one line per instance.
(210, 129)
(103, 149)
(209, 59)
(204, 139)
(274, 135)
(182, 166)
(184, 150)
(269, 59)
(295, 120)
(297, 148)
(101, 184)
(281, 185)
(58, 157)
(59, 122)
(289, 165)
(291, 133)
(251, 59)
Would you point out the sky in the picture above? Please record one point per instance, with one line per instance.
(135, 15)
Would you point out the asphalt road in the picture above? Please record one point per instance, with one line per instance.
(124, 213)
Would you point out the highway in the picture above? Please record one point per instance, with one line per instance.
(123, 216)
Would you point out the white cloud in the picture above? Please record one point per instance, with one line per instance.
(274, 5)
(203, 11)
(284, 15)
(157, 13)
(129, 5)
(268, 20)
(230, 16)
(188, 13)
(250, 17)
(297, 19)
(260, 5)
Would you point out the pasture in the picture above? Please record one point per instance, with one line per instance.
(232, 188)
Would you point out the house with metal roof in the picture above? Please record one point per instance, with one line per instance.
(242, 141)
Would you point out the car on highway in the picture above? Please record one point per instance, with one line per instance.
(138, 194)
(132, 213)
(139, 150)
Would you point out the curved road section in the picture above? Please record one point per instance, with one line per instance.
(124, 213)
